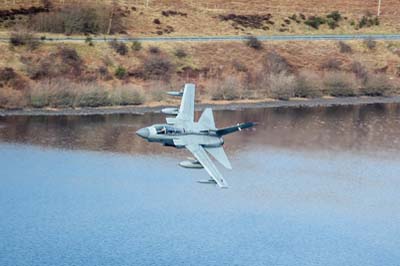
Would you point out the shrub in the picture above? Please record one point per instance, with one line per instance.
(120, 72)
(370, 43)
(180, 53)
(281, 85)
(71, 63)
(38, 96)
(89, 41)
(136, 46)
(377, 85)
(332, 24)
(64, 93)
(119, 47)
(7, 74)
(239, 66)
(331, 64)
(368, 21)
(104, 74)
(62, 96)
(92, 95)
(339, 84)
(359, 70)
(227, 89)
(127, 95)
(335, 15)
(254, 43)
(9, 78)
(315, 22)
(308, 85)
(13, 99)
(154, 50)
(24, 38)
(275, 63)
(344, 47)
(157, 67)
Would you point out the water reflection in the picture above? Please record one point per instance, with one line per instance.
(367, 128)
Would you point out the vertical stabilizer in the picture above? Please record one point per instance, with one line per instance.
(206, 120)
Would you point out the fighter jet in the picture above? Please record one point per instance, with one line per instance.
(200, 138)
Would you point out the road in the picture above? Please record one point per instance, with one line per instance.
(327, 37)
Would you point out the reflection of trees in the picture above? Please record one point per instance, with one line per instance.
(367, 127)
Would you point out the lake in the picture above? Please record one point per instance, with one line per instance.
(309, 186)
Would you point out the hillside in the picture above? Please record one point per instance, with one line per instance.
(42, 74)
(257, 17)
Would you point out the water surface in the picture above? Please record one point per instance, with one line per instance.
(311, 186)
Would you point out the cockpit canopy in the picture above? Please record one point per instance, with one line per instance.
(167, 130)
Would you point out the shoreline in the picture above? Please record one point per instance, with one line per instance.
(225, 105)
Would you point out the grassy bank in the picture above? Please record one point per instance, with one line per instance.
(35, 74)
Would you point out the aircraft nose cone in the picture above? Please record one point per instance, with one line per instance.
(143, 132)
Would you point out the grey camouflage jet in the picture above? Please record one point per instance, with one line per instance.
(200, 138)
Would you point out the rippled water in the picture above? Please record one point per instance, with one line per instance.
(311, 186)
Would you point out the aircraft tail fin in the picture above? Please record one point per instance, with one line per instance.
(238, 127)
(219, 154)
(206, 120)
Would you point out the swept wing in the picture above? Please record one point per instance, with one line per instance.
(201, 155)
(185, 115)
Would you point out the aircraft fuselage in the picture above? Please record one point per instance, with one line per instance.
(175, 137)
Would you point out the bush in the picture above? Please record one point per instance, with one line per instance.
(281, 86)
(335, 15)
(24, 38)
(157, 67)
(13, 99)
(332, 24)
(119, 47)
(315, 22)
(89, 41)
(66, 62)
(154, 50)
(308, 85)
(275, 63)
(331, 64)
(339, 84)
(92, 95)
(254, 43)
(370, 43)
(103, 73)
(9, 78)
(239, 66)
(127, 95)
(227, 89)
(136, 46)
(180, 53)
(344, 47)
(63, 93)
(360, 71)
(120, 72)
(368, 21)
(377, 85)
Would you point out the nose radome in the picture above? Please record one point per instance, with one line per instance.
(143, 132)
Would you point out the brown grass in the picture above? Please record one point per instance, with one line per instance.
(202, 15)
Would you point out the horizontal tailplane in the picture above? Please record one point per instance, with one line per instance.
(238, 127)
